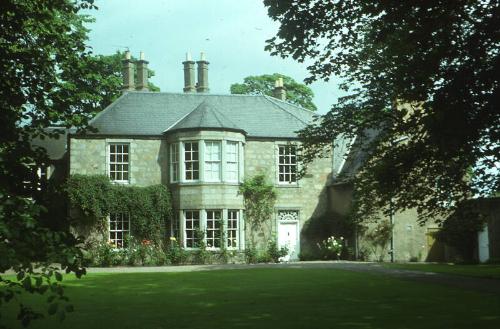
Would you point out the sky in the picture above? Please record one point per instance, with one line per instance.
(231, 33)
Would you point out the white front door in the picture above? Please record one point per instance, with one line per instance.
(288, 237)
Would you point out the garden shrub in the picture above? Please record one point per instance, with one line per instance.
(175, 254)
(96, 197)
(250, 254)
(332, 248)
(274, 253)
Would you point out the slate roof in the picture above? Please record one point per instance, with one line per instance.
(356, 156)
(205, 116)
(148, 113)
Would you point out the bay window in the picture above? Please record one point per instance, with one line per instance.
(174, 162)
(232, 155)
(191, 161)
(221, 228)
(232, 233)
(192, 222)
(214, 218)
(212, 161)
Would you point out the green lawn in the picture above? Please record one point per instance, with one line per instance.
(484, 271)
(269, 298)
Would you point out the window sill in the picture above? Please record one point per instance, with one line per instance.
(120, 182)
(286, 185)
(197, 183)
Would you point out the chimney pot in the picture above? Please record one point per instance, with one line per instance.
(202, 85)
(128, 73)
(279, 91)
(189, 84)
(142, 73)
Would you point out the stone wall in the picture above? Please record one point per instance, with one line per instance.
(308, 196)
(411, 240)
(149, 165)
(148, 158)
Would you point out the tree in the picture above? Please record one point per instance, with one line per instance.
(422, 73)
(47, 78)
(108, 69)
(296, 93)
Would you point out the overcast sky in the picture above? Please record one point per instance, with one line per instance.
(231, 33)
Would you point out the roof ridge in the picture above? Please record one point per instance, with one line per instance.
(192, 94)
(110, 106)
(273, 101)
(291, 104)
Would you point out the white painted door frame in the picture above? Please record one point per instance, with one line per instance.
(293, 254)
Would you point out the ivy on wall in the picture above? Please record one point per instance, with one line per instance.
(95, 196)
(259, 197)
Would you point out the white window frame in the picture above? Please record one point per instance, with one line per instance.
(124, 229)
(232, 161)
(190, 239)
(286, 162)
(212, 161)
(213, 238)
(194, 163)
(112, 173)
(174, 226)
(232, 232)
(174, 162)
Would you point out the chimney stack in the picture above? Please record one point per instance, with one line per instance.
(142, 73)
(279, 91)
(128, 73)
(189, 84)
(202, 85)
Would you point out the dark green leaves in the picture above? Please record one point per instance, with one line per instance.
(296, 93)
(96, 197)
(427, 71)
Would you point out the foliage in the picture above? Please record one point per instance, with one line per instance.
(202, 255)
(259, 197)
(43, 60)
(378, 237)
(109, 69)
(275, 253)
(250, 254)
(332, 247)
(96, 197)
(424, 71)
(175, 254)
(136, 252)
(319, 228)
(296, 93)
(460, 231)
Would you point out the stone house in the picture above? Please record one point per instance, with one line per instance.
(202, 146)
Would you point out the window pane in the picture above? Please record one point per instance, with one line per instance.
(119, 162)
(287, 160)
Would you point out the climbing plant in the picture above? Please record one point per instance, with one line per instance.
(95, 197)
(259, 197)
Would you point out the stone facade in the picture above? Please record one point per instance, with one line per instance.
(149, 164)
(148, 158)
